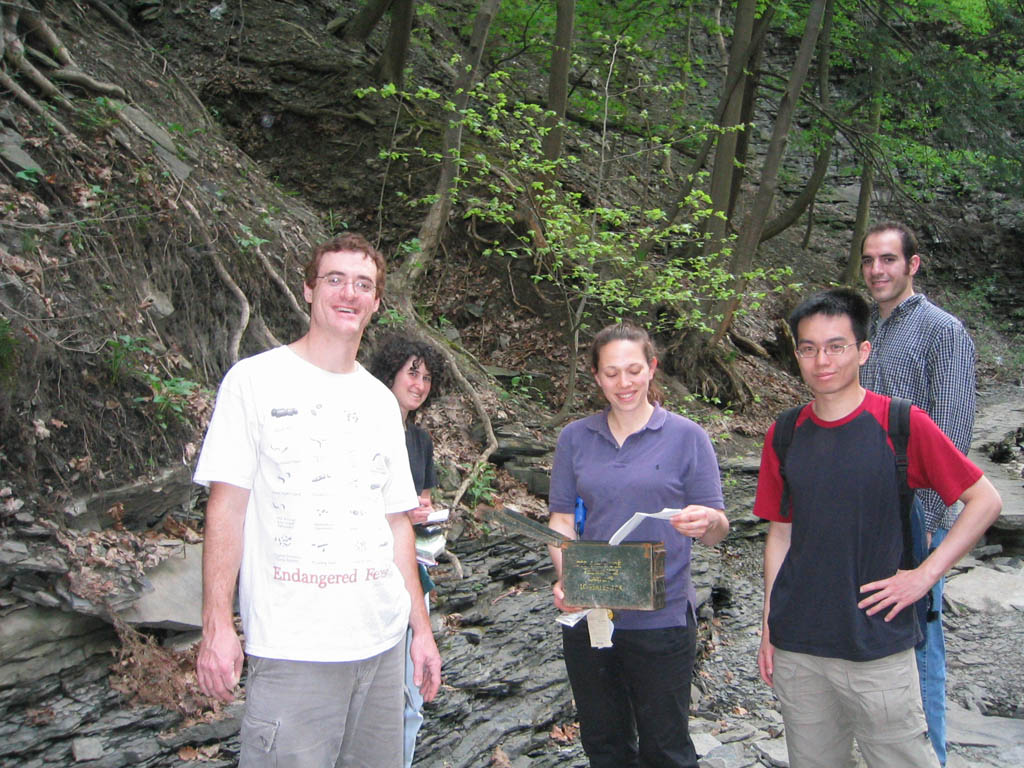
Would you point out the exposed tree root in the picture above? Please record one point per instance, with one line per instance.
(279, 281)
(244, 309)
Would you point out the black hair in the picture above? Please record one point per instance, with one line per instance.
(908, 240)
(834, 303)
(393, 352)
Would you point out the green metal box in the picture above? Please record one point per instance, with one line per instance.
(596, 574)
(629, 575)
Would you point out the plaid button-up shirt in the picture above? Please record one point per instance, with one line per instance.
(924, 354)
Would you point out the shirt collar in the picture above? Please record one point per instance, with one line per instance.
(599, 422)
(905, 307)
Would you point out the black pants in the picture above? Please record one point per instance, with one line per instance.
(633, 699)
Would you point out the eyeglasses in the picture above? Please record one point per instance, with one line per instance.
(832, 350)
(359, 284)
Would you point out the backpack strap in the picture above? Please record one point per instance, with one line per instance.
(785, 425)
(899, 433)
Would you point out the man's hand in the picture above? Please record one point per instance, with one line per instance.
(766, 659)
(426, 664)
(219, 665)
(419, 515)
(897, 592)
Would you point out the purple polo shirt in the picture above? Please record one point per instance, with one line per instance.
(668, 463)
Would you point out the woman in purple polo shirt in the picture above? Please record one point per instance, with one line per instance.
(633, 698)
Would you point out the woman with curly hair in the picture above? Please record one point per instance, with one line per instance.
(414, 371)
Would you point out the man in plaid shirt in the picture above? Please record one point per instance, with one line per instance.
(924, 354)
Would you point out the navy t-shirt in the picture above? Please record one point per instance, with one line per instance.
(846, 523)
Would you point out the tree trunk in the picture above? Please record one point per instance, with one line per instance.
(417, 261)
(558, 82)
(867, 174)
(739, 169)
(691, 175)
(359, 27)
(725, 149)
(753, 225)
(805, 200)
(390, 67)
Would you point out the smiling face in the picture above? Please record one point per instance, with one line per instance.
(888, 272)
(831, 375)
(412, 385)
(342, 309)
(624, 375)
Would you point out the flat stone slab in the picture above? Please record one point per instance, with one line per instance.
(177, 597)
(974, 729)
(994, 423)
(987, 589)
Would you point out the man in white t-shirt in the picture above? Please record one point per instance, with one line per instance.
(309, 484)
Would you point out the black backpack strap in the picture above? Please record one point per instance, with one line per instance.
(899, 433)
(785, 425)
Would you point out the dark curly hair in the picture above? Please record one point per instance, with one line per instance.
(393, 352)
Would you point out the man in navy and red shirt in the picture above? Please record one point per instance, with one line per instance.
(837, 644)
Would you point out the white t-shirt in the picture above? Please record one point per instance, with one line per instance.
(324, 457)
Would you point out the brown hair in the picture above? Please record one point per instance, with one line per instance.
(352, 242)
(908, 240)
(627, 332)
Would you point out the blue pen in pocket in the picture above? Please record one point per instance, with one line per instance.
(580, 515)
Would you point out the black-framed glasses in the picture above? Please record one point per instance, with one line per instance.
(832, 350)
(359, 284)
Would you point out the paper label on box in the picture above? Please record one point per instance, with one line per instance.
(599, 622)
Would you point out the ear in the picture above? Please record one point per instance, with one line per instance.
(914, 264)
(864, 352)
(653, 366)
(307, 293)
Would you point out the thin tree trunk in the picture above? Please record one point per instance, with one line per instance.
(753, 225)
(416, 262)
(805, 200)
(358, 28)
(390, 67)
(691, 175)
(851, 274)
(725, 148)
(558, 81)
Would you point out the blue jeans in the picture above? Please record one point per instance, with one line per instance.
(413, 706)
(931, 653)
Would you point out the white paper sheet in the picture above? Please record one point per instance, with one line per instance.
(627, 527)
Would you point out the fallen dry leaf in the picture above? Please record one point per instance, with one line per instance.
(499, 759)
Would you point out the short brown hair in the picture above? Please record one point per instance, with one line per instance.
(627, 332)
(908, 240)
(352, 242)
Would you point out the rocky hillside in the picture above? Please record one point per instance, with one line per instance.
(155, 217)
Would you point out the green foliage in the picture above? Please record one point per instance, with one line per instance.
(99, 114)
(125, 355)
(953, 82)
(31, 175)
(522, 386)
(169, 397)
(250, 239)
(8, 353)
(600, 256)
(390, 317)
(482, 490)
(333, 222)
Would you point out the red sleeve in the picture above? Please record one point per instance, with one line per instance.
(769, 484)
(934, 462)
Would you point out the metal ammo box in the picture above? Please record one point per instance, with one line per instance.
(596, 574)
